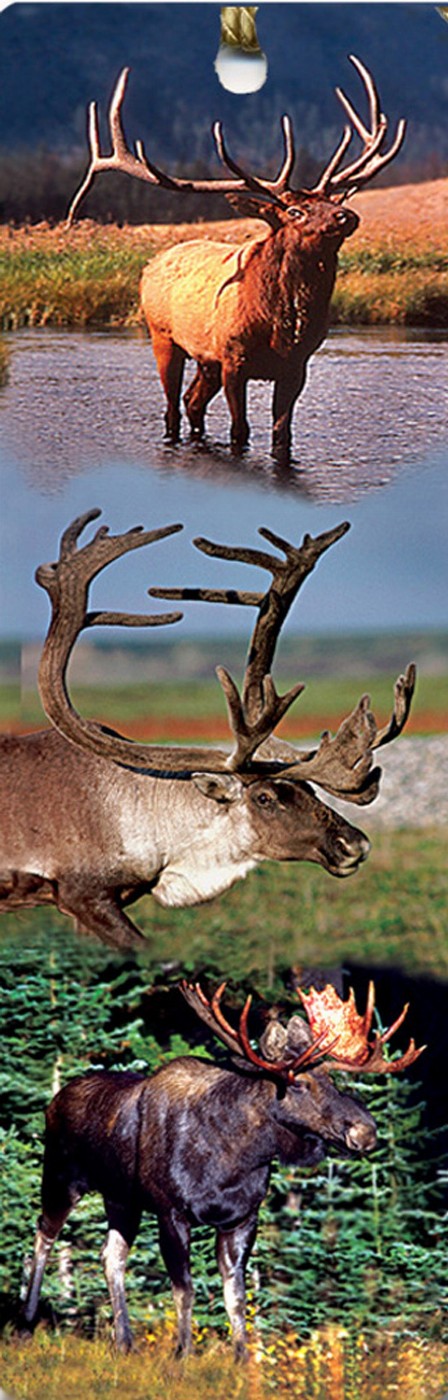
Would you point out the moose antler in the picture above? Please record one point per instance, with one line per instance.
(342, 765)
(347, 1036)
(238, 1040)
(338, 1038)
(334, 182)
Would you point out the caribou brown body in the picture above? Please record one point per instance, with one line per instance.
(257, 311)
(91, 821)
(194, 1144)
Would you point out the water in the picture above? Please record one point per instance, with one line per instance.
(82, 425)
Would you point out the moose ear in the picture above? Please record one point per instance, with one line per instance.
(252, 209)
(221, 787)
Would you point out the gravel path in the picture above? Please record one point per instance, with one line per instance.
(414, 789)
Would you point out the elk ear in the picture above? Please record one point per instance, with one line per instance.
(252, 209)
(221, 787)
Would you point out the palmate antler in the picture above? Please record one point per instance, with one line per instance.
(347, 1038)
(334, 182)
(335, 1036)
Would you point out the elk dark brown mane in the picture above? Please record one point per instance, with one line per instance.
(194, 1144)
(257, 311)
(92, 821)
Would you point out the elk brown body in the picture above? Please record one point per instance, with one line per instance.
(257, 311)
(194, 1144)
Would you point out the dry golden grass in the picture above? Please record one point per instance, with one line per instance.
(330, 1365)
(395, 269)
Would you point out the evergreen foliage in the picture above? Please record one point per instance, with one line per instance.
(361, 1241)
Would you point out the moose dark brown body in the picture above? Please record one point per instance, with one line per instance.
(91, 821)
(257, 311)
(194, 1144)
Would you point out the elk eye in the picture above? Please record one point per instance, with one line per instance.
(295, 213)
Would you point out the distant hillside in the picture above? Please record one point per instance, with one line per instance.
(54, 58)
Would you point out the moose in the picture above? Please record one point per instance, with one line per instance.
(260, 309)
(194, 1143)
(91, 820)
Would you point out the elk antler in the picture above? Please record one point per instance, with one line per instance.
(238, 1040)
(342, 765)
(348, 1037)
(333, 182)
(122, 159)
(345, 182)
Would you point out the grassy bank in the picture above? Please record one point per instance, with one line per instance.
(332, 1364)
(89, 276)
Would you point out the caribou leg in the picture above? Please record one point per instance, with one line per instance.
(174, 1236)
(233, 1248)
(97, 911)
(170, 360)
(204, 386)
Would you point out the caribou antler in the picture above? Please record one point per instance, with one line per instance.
(372, 158)
(348, 1039)
(335, 1036)
(138, 165)
(342, 765)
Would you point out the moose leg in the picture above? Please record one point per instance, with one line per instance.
(285, 394)
(174, 1236)
(121, 1235)
(58, 1199)
(170, 360)
(204, 386)
(234, 383)
(97, 911)
(233, 1248)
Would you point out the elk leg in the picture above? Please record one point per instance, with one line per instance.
(120, 1236)
(174, 1236)
(204, 386)
(233, 1248)
(97, 911)
(170, 360)
(285, 394)
(234, 384)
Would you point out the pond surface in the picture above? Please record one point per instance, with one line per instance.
(374, 402)
(81, 424)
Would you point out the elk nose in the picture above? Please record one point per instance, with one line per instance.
(361, 1137)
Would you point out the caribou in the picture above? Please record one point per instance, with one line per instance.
(260, 309)
(194, 1143)
(91, 820)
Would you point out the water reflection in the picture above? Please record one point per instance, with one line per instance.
(375, 402)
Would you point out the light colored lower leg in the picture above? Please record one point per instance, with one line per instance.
(43, 1245)
(113, 1257)
(183, 1302)
(234, 1301)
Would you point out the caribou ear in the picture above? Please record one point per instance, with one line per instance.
(221, 787)
(253, 209)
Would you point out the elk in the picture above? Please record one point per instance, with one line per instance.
(257, 310)
(91, 821)
(194, 1143)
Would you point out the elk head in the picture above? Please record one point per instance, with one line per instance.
(272, 200)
